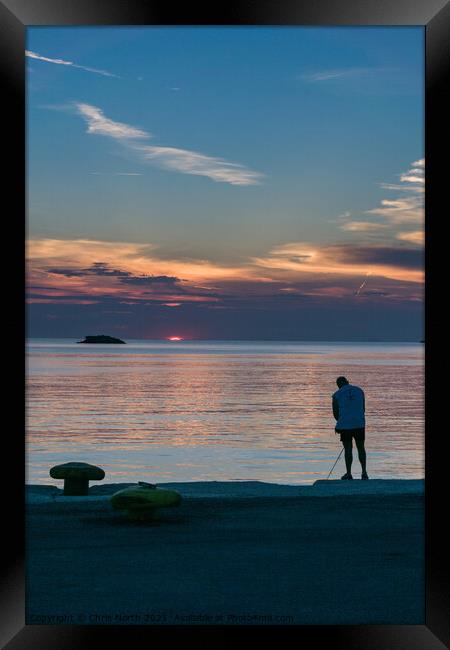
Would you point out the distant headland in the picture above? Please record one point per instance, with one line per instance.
(102, 338)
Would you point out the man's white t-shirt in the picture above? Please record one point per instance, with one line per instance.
(350, 400)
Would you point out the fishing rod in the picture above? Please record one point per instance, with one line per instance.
(335, 463)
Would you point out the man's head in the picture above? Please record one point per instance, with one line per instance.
(341, 381)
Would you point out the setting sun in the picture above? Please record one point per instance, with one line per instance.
(174, 338)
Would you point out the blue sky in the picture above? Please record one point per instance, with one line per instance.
(250, 163)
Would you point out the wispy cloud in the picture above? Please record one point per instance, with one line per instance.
(406, 210)
(416, 174)
(198, 164)
(115, 173)
(184, 161)
(326, 75)
(414, 237)
(46, 59)
(363, 226)
(99, 124)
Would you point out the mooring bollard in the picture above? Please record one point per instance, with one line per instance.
(76, 477)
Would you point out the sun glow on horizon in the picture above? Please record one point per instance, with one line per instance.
(174, 338)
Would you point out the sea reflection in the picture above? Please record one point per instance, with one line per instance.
(216, 412)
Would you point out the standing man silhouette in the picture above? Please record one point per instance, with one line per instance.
(349, 411)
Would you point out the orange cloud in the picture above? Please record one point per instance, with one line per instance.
(138, 259)
(293, 260)
(91, 269)
(415, 237)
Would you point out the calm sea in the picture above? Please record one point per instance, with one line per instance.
(215, 410)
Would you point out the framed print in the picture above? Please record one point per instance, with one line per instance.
(228, 220)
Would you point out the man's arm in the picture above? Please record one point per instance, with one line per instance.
(335, 409)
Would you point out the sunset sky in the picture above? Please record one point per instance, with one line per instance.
(225, 182)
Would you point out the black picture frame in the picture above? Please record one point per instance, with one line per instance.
(15, 17)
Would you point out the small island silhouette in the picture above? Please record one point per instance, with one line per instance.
(101, 338)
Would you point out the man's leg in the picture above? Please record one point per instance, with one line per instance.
(348, 444)
(361, 454)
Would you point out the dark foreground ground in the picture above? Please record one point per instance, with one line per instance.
(346, 559)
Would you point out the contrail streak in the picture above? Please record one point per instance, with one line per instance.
(363, 284)
(39, 57)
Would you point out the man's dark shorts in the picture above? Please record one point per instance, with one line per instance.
(347, 434)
